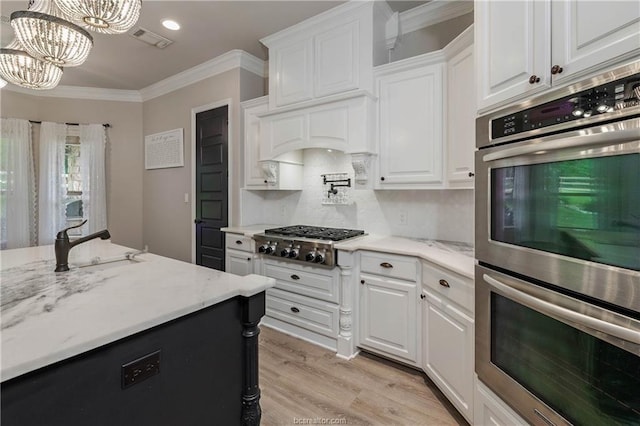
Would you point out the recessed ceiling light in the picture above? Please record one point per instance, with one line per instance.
(171, 25)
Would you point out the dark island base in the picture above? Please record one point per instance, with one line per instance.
(207, 374)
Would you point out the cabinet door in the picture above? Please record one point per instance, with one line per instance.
(239, 263)
(448, 351)
(253, 174)
(410, 107)
(490, 410)
(512, 44)
(461, 118)
(592, 33)
(292, 81)
(336, 60)
(388, 317)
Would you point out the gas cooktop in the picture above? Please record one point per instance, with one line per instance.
(302, 243)
(316, 232)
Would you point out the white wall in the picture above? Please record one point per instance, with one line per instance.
(435, 214)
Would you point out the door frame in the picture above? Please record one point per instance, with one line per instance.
(230, 154)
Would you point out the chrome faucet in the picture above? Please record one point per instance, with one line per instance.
(63, 245)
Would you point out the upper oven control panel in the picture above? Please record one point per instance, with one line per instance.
(592, 104)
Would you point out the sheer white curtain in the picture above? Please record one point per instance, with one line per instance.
(17, 215)
(51, 188)
(92, 169)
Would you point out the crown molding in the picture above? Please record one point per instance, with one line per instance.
(432, 13)
(218, 65)
(225, 62)
(459, 43)
(77, 92)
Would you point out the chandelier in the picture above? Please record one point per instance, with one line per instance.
(108, 17)
(22, 69)
(51, 38)
(53, 33)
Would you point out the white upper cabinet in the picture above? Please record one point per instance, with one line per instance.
(512, 49)
(253, 173)
(590, 33)
(410, 123)
(327, 54)
(526, 46)
(284, 172)
(461, 118)
(337, 60)
(292, 77)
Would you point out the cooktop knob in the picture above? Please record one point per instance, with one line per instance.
(263, 248)
(311, 256)
(293, 253)
(285, 252)
(270, 249)
(319, 258)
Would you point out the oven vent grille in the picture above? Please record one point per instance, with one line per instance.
(151, 38)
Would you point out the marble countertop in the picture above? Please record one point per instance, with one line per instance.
(47, 317)
(249, 230)
(457, 257)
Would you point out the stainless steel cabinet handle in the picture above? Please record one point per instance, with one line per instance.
(295, 310)
(295, 277)
(567, 314)
(386, 265)
(444, 283)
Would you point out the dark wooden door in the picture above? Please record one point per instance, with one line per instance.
(211, 186)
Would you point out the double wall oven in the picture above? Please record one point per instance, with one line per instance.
(558, 250)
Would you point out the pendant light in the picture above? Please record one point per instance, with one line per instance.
(20, 68)
(47, 36)
(108, 17)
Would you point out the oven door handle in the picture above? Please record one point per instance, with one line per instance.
(545, 307)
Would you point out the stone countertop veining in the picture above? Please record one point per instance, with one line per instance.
(47, 317)
(249, 230)
(457, 257)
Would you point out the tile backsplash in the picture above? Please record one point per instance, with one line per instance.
(435, 214)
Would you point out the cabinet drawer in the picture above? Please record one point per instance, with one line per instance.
(454, 287)
(304, 280)
(314, 315)
(239, 242)
(389, 265)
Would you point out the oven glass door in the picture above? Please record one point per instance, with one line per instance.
(555, 357)
(586, 208)
(586, 380)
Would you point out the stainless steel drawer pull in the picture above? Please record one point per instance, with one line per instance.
(386, 265)
(295, 277)
(295, 310)
(238, 242)
(444, 283)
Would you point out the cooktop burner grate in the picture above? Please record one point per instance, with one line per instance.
(322, 233)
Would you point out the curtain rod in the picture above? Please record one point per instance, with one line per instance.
(68, 124)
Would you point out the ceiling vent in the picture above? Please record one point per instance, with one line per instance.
(150, 38)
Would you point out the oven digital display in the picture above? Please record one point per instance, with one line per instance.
(604, 99)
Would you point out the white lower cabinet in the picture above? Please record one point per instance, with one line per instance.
(239, 254)
(448, 335)
(448, 351)
(304, 302)
(389, 316)
(490, 410)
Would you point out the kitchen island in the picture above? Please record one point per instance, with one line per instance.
(127, 338)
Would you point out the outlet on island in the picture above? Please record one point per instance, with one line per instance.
(140, 369)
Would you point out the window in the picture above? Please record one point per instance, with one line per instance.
(72, 176)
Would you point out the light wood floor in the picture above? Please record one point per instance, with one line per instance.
(302, 382)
